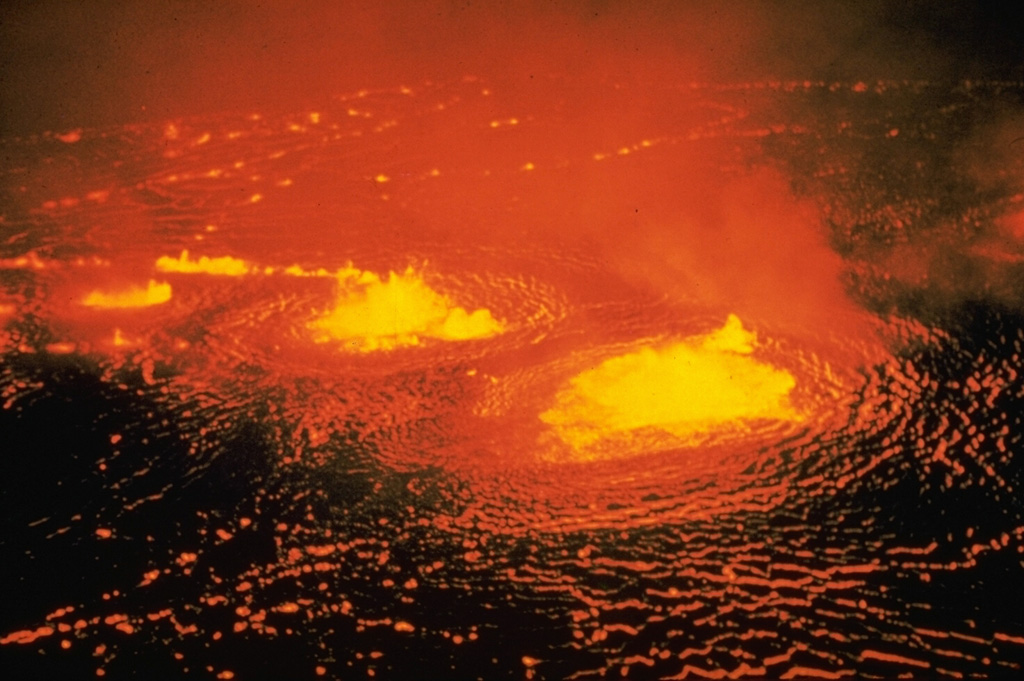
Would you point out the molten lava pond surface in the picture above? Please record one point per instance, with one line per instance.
(438, 381)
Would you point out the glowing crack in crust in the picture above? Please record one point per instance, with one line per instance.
(687, 390)
(154, 293)
(373, 314)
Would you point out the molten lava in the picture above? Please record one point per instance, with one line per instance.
(155, 293)
(375, 314)
(687, 390)
(222, 266)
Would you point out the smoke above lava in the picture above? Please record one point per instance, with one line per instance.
(71, 64)
(744, 241)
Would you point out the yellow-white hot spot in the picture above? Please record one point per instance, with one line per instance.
(154, 293)
(376, 314)
(221, 266)
(686, 389)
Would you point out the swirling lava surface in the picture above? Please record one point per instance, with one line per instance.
(203, 477)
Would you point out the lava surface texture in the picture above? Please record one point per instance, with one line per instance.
(710, 380)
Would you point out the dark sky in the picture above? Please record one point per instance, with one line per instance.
(70, 64)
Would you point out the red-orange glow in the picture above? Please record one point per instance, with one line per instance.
(149, 577)
(60, 612)
(70, 137)
(26, 636)
(155, 293)
(812, 673)
(30, 261)
(890, 657)
(61, 348)
(686, 389)
(120, 341)
(377, 314)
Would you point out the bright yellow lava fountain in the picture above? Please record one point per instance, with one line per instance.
(155, 293)
(687, 390)
(225, 266)
(373, 314)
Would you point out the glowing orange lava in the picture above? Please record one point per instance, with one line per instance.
(376, 314)
(687, 390)
(155, 293)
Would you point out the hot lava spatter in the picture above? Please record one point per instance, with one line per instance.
(154, 293)
(370, 313)
(686, 389)
(380, 314)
